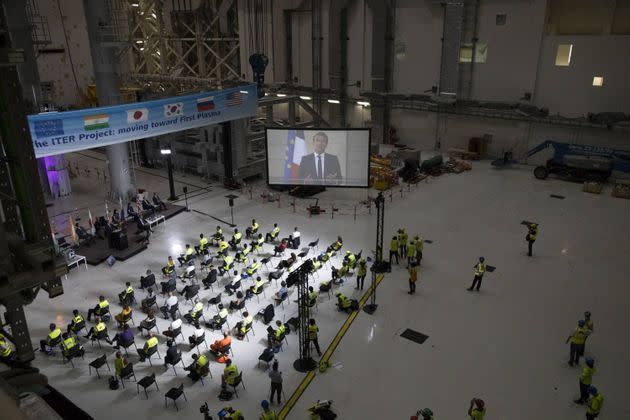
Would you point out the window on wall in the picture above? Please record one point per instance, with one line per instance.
(563, 55)
(466, 53)
(598, 81)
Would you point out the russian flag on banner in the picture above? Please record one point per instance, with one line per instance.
(296, 148)
(205, 104)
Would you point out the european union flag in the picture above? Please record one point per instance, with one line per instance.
(49, 128)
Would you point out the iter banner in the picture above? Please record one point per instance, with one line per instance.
(54, 133)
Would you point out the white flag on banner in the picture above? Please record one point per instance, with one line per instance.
(137, 115)
(172, 110)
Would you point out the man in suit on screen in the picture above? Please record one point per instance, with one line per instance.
(320, 167)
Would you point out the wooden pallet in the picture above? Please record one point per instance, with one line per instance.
(455, 152)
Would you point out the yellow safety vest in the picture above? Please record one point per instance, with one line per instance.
(312, 332)
(237, 236)
(230, 371)
(152, 342)
(411, 249)
(77, 319)
(100, 327)
(227, 261)
(275, 231)
(218, 232)
(258, 285)
(393, 246)
(480, 268)
(203, 242)
(189, 251)
(280, 331)
(587, 375)
(269, 415)
(255, 227)
(6, 349)
(344, 301)
(420, 244)
(197, 309)
(351, 259)
(312, 296)
(69, 343)
(54, 334)
(403, 238)
(103, 304)
(129, 290)
(532, 234)
(223, 245)
(595, 404)
(201, 362)
(253, 268)
(579, 335)
(223, 313)
(362, 270)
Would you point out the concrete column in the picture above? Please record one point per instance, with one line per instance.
(102, 47)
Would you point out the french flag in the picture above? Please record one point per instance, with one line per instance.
(296, 148)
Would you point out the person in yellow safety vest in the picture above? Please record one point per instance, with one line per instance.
(480, 269)
(338, 274)
(229, 373)
(120, 363)
(316, 265)
(313, 329)
(411, 253)
(257, 288)
(477, 409)
(393, 249)
(594, 404)
(267, 414)
(343, 302)
(186, 256)
(413, 278)
(100, 309)
(586, 378)
(227, 264)
(337, 245)
(223, 245)
(271, 236)
(280, 331)
(241, 255)
(419, 248)
(402, 242)
(69, 344)
(351, 259)
(7, 355)
(127, 296)
(312, 296)
(325, 256)
(252, 230)
(236, 238)
(242, 327)
(252, 268)
(195, 313)
(257, 243)
(53, 339)
(201, 365)
(578, 337)
(361, 273)
(170, 266)
(531, 237)
(149, 347)
(232, 414)
(99, 330)
(77, 323)
(203, 244)
(217, 235)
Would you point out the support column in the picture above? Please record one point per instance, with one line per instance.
(100, 30)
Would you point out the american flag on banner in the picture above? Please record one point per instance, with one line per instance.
(296, 148)
(234, 98)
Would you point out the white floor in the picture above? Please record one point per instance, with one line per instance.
(504, 344)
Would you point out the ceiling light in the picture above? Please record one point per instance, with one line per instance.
(333, 101)
(281, 95)
(134, 5)
(244, 91)
(165, 151)
(139, 42)
(306, 98)
(364, 103)
(154, 15)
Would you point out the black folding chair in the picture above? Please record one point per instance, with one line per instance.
(97, 364)
(146, 382)
(174, 393)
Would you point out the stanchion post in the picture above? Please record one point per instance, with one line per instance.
(355, 212)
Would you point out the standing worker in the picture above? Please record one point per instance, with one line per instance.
(393, 250)
(480, 269)
(477, 409)
(313, 329)
(402, 242)
(426, 414)
(578, 337)
(586, 378)
(594, 404)
(413, 277)
(419, 240)
(276, 382)
(361, 272)
(411, 253)
(531, 237)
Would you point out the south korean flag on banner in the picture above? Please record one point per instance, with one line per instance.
(172, 110)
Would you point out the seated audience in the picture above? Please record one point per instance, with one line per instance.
(148, 280)
(123, 338)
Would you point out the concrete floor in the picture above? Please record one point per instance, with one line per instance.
(504, 344)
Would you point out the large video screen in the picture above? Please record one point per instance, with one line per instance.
(330, 157)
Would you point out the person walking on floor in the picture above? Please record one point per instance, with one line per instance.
(477, 409)
(413, 277)
(313, 330)
(531, 237)
(594, 404)
(361, 272)
(393, 250)
(402, 242)
(577, 338)
(480, 269)
(586, 378)
(276, 382)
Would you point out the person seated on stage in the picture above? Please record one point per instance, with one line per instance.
(257, 243)
(317, 264)
(234, 304)
(123, 316)
(350, 259)
(282, 292)
(336, 246)
(147, 349)
(252, 269)
(275, 337)
(339, 273)
(218, 235)
(149, 322)
(77, 323)
(219, 345)
(131, 211)
(123, 338)
(143, 226)
(147, 206)
(203, 244)
(271, 236)
(170, 333)
(345, 304)
(242, 327)
(148, 302)
(230, 373)
(70, 345)
(170, 266)
(279, 249)
(312, 296)
(241, 255)
(115, 219)
(295, 244)
(219, 319)
(171, 353)
(186, 256)
(288, 262)
(252, 230)
(157, 202)
(210, 278)
(127, 296)
(257, 288)
(198, 333)
(84, 234)
(100, 309)
(148, 280)
(228, 262)
(170, 307)
(234, 284)
(53, 339)
(197, 369)
(236, 239)
(100, 329)
(120, 363)
(195, 313)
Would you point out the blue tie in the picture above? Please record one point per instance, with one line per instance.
(319, 167)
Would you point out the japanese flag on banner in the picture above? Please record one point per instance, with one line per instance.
(172, 110)
(137, 115)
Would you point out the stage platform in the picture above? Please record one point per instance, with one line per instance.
(98, 252)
